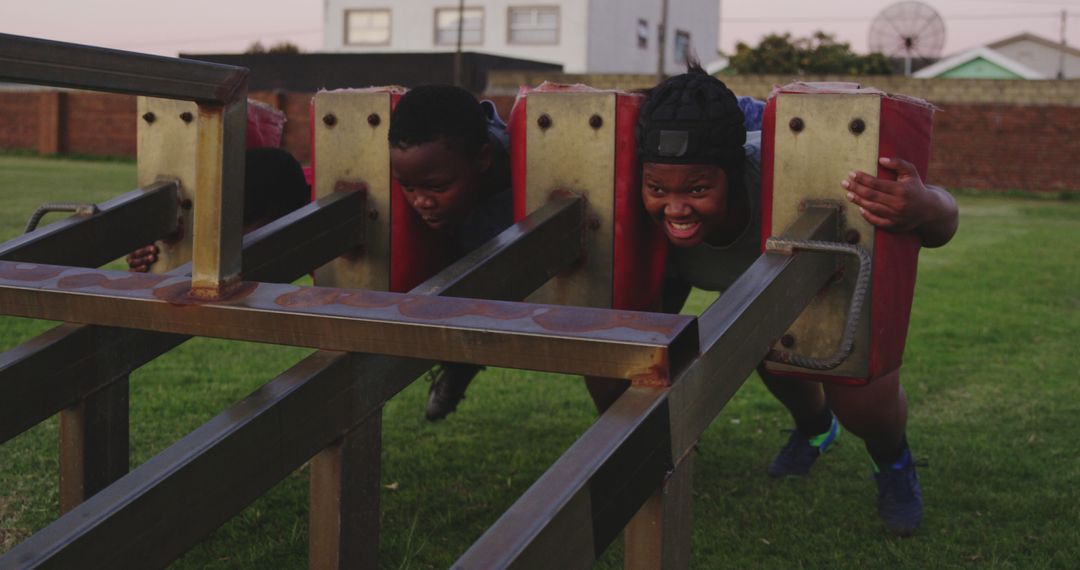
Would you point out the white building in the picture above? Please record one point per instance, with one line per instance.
(585, 36)
(1048, 57)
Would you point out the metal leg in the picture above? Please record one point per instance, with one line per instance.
(344, 499)
(659, 534)
(93, 443)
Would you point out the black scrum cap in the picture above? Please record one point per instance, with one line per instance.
(692, 118)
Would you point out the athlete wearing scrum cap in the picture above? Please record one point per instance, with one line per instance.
(701, 183)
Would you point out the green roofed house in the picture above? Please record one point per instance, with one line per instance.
(1023, 56)
(979, 63)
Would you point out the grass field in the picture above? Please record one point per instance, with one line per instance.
(990, 370)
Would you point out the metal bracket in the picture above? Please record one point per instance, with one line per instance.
(858, 295)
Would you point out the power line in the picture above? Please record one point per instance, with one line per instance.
(815, 19)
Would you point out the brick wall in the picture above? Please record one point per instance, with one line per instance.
(990, 135)
(937, 91)
(1007, 147)
(98, 123)
(19, 118)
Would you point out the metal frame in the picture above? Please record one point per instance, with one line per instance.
(220, 91)
(634, 466)
(574, 511)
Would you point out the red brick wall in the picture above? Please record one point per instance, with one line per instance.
(990, 146)
(19, 120)
(99, 123)
(297, 136)
(1007, 147)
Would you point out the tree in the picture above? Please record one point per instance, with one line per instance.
(284, 47)
(280, 47)
(818, 54)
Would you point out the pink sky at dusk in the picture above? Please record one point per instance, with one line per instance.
(204, 26)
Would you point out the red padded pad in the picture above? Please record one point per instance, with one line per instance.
(640, 247)
(906, 132)
(416, 251)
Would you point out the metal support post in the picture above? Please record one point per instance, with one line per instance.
(94, 444)
(344, 498)
(659, 534)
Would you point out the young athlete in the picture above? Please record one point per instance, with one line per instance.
(450, 155)
(701, 183)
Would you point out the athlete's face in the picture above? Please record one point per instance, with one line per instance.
(440, 183)
(690, 201)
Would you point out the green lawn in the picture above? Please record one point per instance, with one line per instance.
(991, 373)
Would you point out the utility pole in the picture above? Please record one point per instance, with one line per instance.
(661, 41)
(460, 30)
(1061, 56)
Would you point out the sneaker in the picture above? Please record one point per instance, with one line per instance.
(448, 385)
(800, 452)
(900, 501)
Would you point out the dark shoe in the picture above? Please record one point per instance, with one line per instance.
(900, 502)
(448, 389)
(800, 452)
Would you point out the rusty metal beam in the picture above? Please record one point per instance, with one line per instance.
(60, 64)
(123, 223)
(644, 347)
(580, 504)
(62, 366)
(240, 454)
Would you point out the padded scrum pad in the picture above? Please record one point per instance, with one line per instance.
(265, 125)
(416, 251)
(905, 132)
(639, 246)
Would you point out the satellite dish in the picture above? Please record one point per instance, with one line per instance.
(911, 30)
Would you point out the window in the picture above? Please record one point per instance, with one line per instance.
(682, 46)
(643, 33)
(446, 26)
(367, 27)
(534, 25)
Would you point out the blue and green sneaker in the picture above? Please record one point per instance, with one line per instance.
(900, 502)
(800, 452)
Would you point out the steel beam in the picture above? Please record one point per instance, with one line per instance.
(60, 64)
(579, 505)
(217, 238)
(139, 521)
(123, 224)
(644, 347)
(62, 366)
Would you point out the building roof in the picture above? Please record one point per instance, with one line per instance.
(1027, 36)
(963, 58)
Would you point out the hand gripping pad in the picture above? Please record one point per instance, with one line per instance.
(813, 135)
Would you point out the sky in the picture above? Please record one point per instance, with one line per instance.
(207, 26)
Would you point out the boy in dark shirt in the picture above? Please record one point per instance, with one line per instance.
(450, 155)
